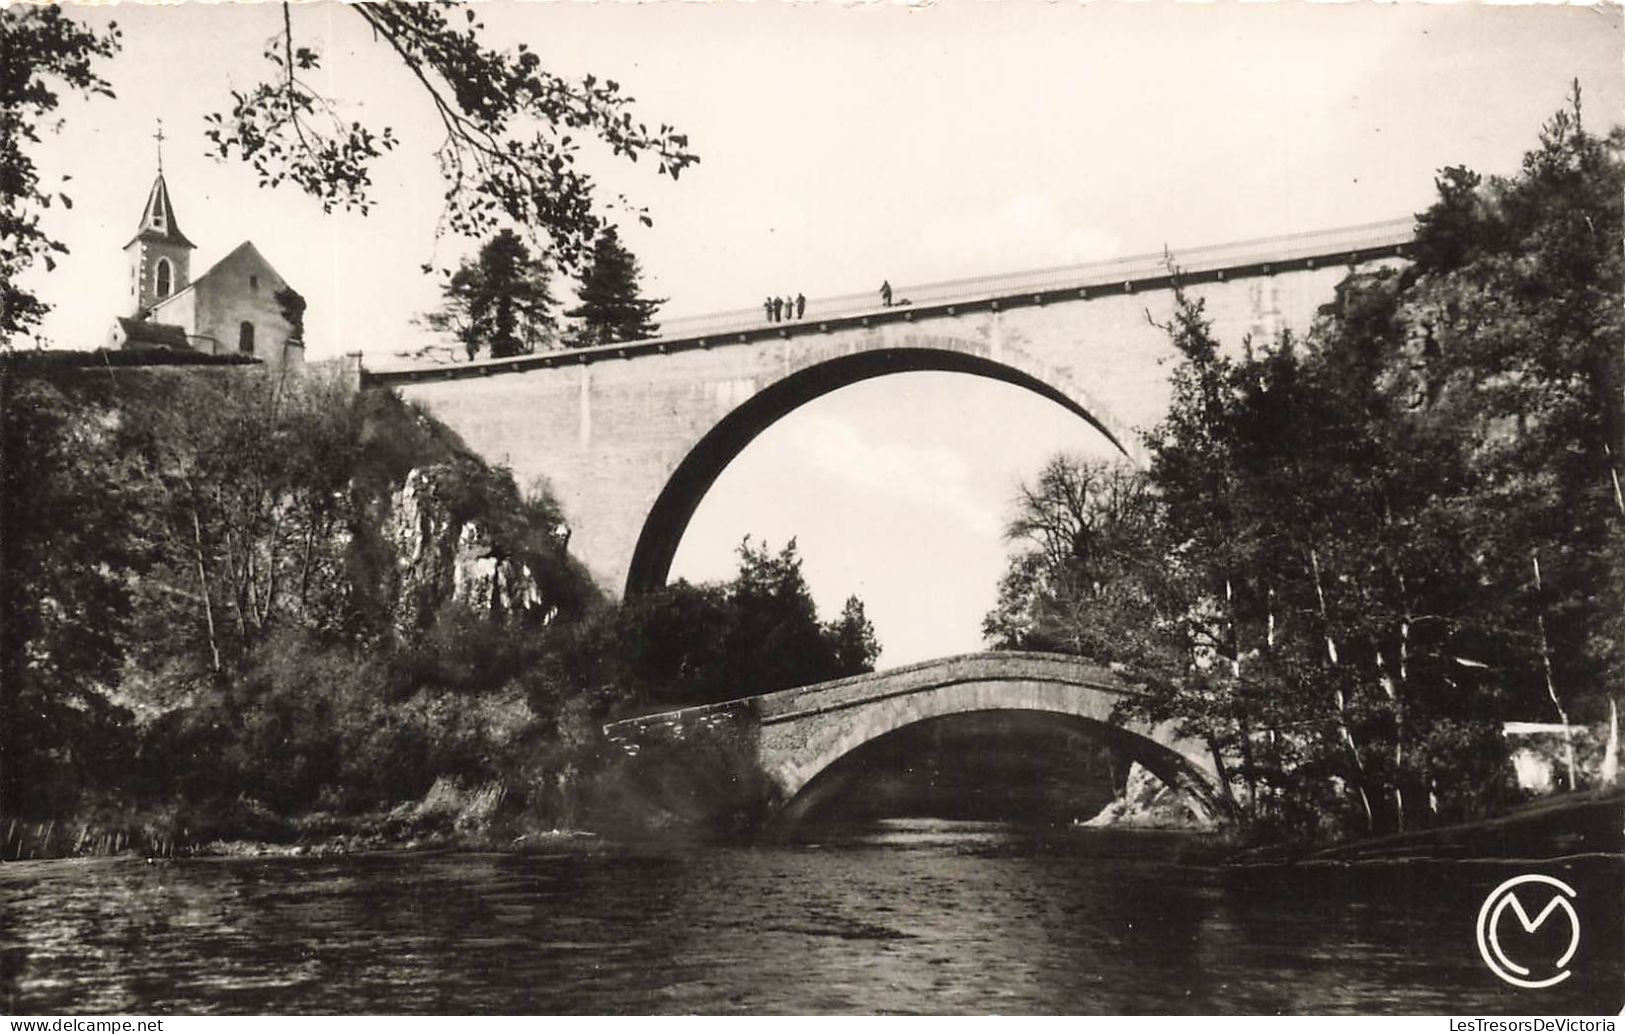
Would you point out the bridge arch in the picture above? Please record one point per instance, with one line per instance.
(704, 462)
(986, 764)
(608, 426)
(805, 732)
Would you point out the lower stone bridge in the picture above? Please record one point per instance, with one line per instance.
(787, 739)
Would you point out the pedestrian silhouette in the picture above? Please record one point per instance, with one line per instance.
(885, 293)
(789, 307)
(767, 309)
(801, 304)
(778, 309)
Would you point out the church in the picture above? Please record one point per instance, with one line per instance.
(240, 306)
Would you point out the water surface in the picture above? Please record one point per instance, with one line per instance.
(909, 916)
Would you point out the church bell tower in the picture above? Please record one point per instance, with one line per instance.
(160, 255)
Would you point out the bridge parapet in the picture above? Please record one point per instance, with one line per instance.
(1264, 256)
(664, 727)
(793, 735)
(859, 690)
(820, 698)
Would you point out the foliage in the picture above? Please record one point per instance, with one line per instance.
(201, 593)
(1356, 554)
(42, 51)
(690, 644)
(292, 306)
(224, 606)
(852, 637)
(66, 512)
(499, 301)
(509, 153)
(510, 147)
(612, 308)
(1087, 532)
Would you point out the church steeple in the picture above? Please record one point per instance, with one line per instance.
(158, 218)
(160, 255)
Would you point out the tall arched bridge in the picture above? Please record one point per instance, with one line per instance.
(631, 436)
(792, 737)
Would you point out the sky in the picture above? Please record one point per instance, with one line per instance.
(841, 145)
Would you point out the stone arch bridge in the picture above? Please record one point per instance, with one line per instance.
(631, 436)
(791, 737)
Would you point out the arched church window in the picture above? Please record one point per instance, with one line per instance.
(165, 278)
(245, 338)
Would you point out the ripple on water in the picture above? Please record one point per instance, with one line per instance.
(904, 918)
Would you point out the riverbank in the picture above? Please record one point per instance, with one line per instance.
(1587, 823)
(474, 817)
(471, 819)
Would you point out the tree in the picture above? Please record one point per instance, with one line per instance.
(1088, 537)
(42, 51)
(510, 146)
(1371, 546)
(1515, 355)
(611, 307)
(68, 538)
(692, 644)
(499, 301)
(509, 153)
(853, 637)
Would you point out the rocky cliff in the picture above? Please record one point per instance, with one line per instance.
(442, 555)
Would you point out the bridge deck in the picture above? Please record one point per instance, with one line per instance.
(1263, 256)
(787, 705)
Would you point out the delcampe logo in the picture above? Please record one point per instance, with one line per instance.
(1504, 899)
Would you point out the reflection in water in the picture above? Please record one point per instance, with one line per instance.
(904, 916)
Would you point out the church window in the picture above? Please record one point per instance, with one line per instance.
(245, 338)
(158, 210)
(164, 277)
(253, 283)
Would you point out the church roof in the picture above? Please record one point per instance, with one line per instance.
(158, 218)
(147, 332)
(244, 254)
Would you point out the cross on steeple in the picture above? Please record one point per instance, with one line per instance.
(159, 136)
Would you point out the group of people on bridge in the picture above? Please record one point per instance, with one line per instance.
(778, 309)
(787, 308)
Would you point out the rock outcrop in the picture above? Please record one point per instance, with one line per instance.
(1147, 803)
(443, 557)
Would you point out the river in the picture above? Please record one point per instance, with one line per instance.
(904, 916)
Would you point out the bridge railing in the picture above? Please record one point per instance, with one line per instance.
(1347, 244)
(1292, 248)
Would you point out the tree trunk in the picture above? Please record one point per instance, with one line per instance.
(1610, 757)
(304, 569)
(1243, 726)
(1342, 704)
(1551, 683)
(203, 585)
(1613, 474)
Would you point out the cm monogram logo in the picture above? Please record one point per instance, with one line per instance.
(1505, 899)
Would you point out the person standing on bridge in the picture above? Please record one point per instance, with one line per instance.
(801, 304)
(767, 309)
(885, 293)
(778, 309)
